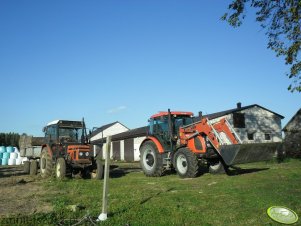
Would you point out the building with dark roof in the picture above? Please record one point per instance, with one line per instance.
(253, 123)
(99, 135)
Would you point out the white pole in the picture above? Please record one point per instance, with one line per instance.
(104, 214)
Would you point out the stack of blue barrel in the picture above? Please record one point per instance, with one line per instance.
(9, 156)
(4, 155)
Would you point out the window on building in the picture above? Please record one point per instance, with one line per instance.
(267, 136)
(251, 136)
(239, 120)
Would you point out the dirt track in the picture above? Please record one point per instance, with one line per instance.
(20, 193)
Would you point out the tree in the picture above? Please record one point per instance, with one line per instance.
(282, 21)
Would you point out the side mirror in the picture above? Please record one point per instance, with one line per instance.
(44, 129)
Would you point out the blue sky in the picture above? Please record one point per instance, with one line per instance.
(125, 60)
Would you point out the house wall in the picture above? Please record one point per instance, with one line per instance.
(292, 140)
(295, 124)
(112, 130)
(259, 122)
(124, 150)
(292, 144)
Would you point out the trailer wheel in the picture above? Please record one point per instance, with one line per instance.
(217, 167)
(186, 163)
(151, 160)
(27, 167)
(45, 164)
(60, 168)
(33, 168)
(98, 172)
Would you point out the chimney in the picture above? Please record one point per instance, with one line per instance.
(238, 105)
(200, 115)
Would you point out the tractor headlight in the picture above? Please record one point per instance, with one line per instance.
(81, 154)
(87, 154)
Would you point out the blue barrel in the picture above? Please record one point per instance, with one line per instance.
(10, 149)
(5, 155)
(4, 162)
(2, 149)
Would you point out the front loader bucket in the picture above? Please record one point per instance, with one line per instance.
(245, 153)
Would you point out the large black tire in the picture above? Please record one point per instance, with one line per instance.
(27, 167)
(151, 160)
(186, 163)
(45, 164)
(33, 168)
(97, 173)
(60, 168)
(217, 167)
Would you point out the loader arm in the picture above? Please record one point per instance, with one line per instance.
(226, 142)
(223, 127)
(204, 128)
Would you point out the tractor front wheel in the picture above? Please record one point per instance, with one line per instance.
(98, 172)
(60, 168)
(217, 167)
(151, 160)
(186, 163)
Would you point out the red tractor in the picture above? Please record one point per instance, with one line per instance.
(175, 141)
(64, 150)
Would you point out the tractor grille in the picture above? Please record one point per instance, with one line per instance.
(78, 152)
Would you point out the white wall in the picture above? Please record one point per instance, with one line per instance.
(112, 130)
(259, 122)
(137, 144)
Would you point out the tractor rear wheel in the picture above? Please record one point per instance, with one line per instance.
(33, 168)
(151, 160)
(186, 163)
(60, 168)
(97, 173)
(45, 164)
(217, 167)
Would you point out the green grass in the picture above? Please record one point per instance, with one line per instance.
(239, 199)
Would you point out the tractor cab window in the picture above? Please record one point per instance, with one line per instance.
(51, 132)
(158, 125)
(70, 134)
(182, 121)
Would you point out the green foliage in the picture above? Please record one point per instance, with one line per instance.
(9, 139)
(282, 21)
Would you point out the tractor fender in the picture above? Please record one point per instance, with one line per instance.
(48, 149)
(156, 142)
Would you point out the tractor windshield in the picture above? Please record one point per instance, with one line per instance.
(160, 124)
(182, 121)
(70, 134)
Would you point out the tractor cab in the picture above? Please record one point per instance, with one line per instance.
(165, 126)
(68, 139)
(63, 132)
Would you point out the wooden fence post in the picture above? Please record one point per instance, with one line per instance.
(104, 214)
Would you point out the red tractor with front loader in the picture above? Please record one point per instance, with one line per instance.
(175, 141)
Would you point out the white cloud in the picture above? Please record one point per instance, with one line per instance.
(117, 109)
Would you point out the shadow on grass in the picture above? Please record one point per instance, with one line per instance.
(143, 201)
(239, 171)
(117, 171)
